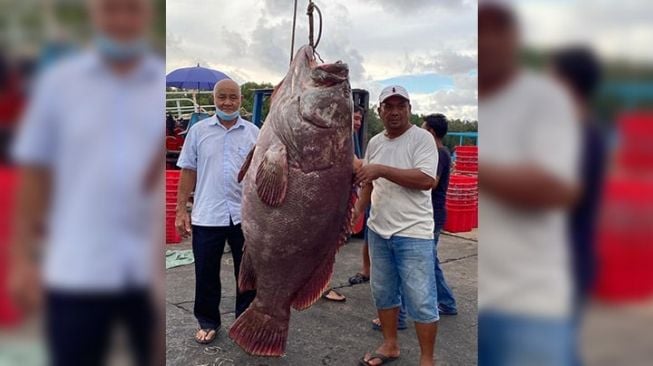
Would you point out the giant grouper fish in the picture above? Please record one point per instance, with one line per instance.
(297, 200)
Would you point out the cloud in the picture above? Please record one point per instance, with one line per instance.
(616, 29)
(446, 62)
(415, 5)
(269, 43)
(249, 40)
(452, 103)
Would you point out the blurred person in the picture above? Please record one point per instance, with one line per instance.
(397, 178)
(579, 71)
(88, 155)
(528, 183)
(213, 153)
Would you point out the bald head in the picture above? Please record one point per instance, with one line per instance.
(226, 94)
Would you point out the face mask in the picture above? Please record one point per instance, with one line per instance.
(118, 50)
(223, 116)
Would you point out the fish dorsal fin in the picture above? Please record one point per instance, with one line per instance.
(246, 164)
(272, 176)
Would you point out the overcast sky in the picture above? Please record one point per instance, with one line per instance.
(615, 28)
(428, 46)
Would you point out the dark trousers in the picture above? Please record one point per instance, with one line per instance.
(208, 246)
(79, 326)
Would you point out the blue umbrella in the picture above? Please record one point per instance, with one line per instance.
(198, 78)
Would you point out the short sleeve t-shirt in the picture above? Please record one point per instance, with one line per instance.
(398, 210)
(439, 193)
(525, 268)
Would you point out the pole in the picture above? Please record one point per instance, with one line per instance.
(292, 42)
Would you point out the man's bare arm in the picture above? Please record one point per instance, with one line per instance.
(186, 186)
(526, 186)
(32, 204)
(408, 178)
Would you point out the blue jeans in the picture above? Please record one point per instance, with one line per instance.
(518, 340)
(446, 301)
(402, 274)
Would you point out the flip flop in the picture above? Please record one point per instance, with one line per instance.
(208, 339)
(325, 296)
(383, 358)
(358, 279)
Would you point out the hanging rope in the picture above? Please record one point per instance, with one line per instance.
(292, 41)
(311, 27)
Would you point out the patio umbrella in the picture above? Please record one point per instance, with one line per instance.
(198, 78)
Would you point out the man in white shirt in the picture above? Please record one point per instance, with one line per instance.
(89, 152)
(212, 155)
(397, 178)
(527, 175)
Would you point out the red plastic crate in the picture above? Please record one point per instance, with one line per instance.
(459, 220)
(625, 240)
(172, 236)
(9, 314)
(466, 148)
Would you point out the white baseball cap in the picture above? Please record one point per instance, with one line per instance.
(391, 91)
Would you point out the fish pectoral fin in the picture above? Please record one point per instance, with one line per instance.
(246, 164)
(272, 176)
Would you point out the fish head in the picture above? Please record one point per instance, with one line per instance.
(317, 119)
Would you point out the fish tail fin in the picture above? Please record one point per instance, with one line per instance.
(246, 274)
(259, 334)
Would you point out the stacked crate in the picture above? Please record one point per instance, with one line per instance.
(9, 315)
(466, 160)
(172, 186)
(462, 194)
(625, 225)
(462, 203)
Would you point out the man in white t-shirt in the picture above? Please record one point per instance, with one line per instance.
(399, 172)
(527, 169)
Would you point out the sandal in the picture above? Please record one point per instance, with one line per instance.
(341, 298)
(207, 335)
(358, 279)
(377, 356)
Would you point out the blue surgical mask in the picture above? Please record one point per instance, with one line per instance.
(224, 116)
(119, 50)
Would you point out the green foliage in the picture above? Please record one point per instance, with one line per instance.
(247, 91)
